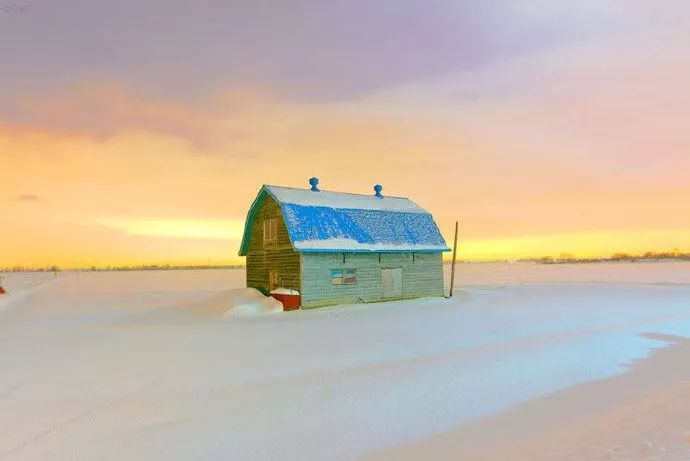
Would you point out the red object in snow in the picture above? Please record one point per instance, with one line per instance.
(290, 298)
(2, 290)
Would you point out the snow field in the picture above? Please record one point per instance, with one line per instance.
(155, 365)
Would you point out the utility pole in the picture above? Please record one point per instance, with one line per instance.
(452, 268)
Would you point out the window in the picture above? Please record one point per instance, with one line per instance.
(271, 230)
(336, 276)
(349, 276)
(343, 276)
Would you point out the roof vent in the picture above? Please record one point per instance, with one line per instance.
(314, 182)
(378, 188)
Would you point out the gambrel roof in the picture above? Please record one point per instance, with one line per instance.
(324, 221)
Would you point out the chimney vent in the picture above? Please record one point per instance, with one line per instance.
(378, 188)
(314, 182)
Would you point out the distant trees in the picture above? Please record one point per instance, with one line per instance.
(145, 267)
(563, 258)
(162, 267)
(31, 269)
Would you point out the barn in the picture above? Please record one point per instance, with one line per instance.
(336, 247)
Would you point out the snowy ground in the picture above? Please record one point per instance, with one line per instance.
(149, 365)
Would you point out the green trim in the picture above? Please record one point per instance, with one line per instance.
(249, 222)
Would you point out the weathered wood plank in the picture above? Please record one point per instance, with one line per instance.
(279, 256)
(422, 276)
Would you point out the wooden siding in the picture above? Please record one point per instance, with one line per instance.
(279, 256)
(422, 276)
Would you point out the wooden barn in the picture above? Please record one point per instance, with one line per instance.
(336, 248)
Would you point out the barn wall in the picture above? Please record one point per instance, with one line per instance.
(279, 256)
(422, 276)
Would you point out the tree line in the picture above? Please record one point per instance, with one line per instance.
(143, 267)
(565, 258)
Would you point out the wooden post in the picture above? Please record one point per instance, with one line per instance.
(452, 268)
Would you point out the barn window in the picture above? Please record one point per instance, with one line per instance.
(343, 276)
(336, 276)
(349, 276)
(271, 230)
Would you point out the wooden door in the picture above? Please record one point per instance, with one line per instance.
(391, 283)
(272, 280)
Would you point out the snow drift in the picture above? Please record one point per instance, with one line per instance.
(237, 302)
(145, 365)
(248, 301)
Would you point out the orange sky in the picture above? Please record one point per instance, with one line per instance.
(581, 146)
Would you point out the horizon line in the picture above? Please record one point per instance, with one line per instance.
(562, 258)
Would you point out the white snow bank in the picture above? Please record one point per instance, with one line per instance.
(19, 285)
(284, 291)
(235, 302)
(248, 301)
(344, 200)
(77, 382)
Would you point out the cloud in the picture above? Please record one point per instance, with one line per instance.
(583, 137)
(104, 109)
(226, 229)
(308, 49)
(26, 198)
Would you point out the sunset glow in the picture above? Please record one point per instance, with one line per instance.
(543, 127)
(177, 228)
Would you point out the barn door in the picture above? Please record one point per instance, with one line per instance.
(391, 283)
(272, 280)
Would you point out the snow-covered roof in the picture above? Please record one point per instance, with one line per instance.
(340, 200)
(325, 221)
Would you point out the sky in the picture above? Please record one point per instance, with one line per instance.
(140, 132)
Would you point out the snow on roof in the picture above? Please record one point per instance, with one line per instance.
(319, 228)
(337, 244)
(323, 221)
(343, 200)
